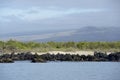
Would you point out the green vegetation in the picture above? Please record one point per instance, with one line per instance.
(13, 45)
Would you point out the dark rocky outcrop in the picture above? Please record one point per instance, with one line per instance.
(7, 60)
(98, 56)
(36, 60)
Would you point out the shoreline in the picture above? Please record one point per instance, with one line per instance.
(60, 56)
(81, 52)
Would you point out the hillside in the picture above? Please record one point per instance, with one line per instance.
(81, 34)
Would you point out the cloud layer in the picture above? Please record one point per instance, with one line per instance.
(36, 13)
(39, 15)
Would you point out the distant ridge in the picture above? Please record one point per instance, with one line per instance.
(89, 33)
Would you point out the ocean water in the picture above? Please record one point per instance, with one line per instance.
(24, 70)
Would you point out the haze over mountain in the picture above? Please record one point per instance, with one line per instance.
(81, 34)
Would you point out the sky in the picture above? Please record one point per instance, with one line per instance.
(40, 15)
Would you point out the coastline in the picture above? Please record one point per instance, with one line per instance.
(80, 52)
(60, 56)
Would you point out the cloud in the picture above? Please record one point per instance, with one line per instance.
(37, 13)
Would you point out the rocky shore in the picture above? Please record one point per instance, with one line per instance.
(97, 56)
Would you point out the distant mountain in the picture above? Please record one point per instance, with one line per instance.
(89, 34)
(81, 34)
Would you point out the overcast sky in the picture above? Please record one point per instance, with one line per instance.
(35, 15)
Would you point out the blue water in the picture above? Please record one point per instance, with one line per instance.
(60, 71)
